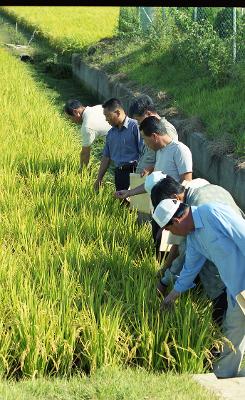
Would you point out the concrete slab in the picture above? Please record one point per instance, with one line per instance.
(227, 389)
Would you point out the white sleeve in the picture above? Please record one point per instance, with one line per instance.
(183, 159)
(88, 135)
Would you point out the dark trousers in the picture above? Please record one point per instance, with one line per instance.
(122, 176)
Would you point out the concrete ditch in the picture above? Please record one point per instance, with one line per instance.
(219, 170)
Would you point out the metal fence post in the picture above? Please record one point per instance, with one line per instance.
(234, 34)
(195, 14)
(163, 13)
(146, 17)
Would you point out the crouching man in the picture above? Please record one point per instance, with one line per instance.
(215, 232)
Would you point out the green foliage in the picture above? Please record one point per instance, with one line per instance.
(190, 87)
(54, 24)
(223, 23)
(129, 22)
(199, 46)
(207, 13)
(240, 38)
(108, 383)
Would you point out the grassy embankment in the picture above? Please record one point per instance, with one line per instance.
(221, 108)
(149, 62)
(108, 384)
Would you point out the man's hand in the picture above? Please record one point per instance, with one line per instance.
(147, 171)
(122, 194)
(169, 301)
(97, 185)
(161, 289)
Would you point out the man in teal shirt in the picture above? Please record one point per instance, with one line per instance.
(195, 196)
(215, 232)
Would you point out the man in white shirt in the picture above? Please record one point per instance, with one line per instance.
(93, 123)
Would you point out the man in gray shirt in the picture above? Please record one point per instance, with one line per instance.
(141, 108)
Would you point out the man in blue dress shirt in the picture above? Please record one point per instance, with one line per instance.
(123, 145)
(215, 232)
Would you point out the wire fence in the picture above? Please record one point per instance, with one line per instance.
(227, 22)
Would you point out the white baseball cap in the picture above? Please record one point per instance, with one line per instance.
(152, 179)
(165, 211)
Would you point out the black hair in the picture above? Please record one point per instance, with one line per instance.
(112, 104)
(72, 105)
(140, 105)
(164, 189)
(152, 125)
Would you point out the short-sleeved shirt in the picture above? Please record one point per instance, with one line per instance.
(195, 184)
(123, 145)
(148, 156)
(171, 130)
(174, 159)
(94, 124)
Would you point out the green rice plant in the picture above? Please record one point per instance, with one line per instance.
(77, 272)
(65, 27)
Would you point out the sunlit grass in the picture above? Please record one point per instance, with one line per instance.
(68, 28)
(108, 383)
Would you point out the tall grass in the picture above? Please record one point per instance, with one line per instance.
(68, 28)
(77, 273)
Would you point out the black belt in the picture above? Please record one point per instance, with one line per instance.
(127, 167)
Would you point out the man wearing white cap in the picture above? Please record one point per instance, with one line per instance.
(215, 232)
(194, 196)
(150, 181)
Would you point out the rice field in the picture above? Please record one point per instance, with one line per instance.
(64, 26)
(77, 272)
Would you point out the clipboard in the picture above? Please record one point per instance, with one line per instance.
(168, 239)
(142, 202)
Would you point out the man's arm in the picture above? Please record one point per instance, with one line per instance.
(187, 176)
(193, 265)
(147, 170)
(102, 170)
(123, 194)
(84, 156)
(183, 162)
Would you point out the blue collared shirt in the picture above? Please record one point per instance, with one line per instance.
(123, 145)
(219, 236)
